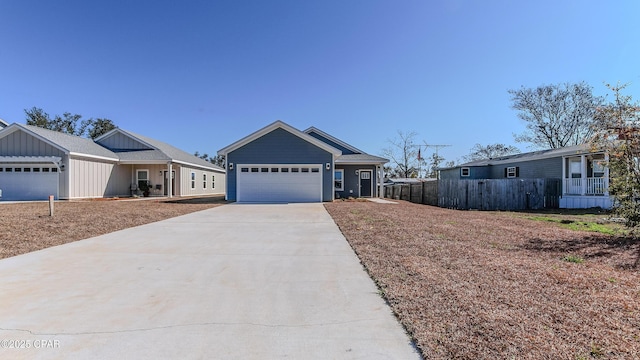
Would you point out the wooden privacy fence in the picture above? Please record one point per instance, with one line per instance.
(482, 194)
(421, 193)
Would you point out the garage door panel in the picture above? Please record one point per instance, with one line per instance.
(17, 186)
(278, 186)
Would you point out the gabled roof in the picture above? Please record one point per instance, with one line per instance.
(160, 151)
(529, 156)
(69, 144)
(3, 124)
(279, 125)
(313, 129)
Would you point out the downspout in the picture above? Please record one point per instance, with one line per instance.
(170, 179)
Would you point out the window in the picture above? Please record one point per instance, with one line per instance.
(45, 169)
(275, 169)
(36, 169)
(264, 169)
(284, 169)
(465, 171)
(213, 181)
(244, 169)
(338, 180)
(1, 169)
(8, 169)
(54, 169)
(204, 181)
(315, 170)
(598, 168)
(27, 169)
(295, 170)
(18, 170)
(193, 180)
(254, 169)
(305, 170)
(142, 178)
(512, 171)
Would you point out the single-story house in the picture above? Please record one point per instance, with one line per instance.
(585, 178)
(280, 163)
(36, 163)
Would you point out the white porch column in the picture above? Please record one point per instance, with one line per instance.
(170, 179)
(381, 182)
(606, 174)
(564, 175)
(583, 174)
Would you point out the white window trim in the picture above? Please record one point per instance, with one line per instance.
(138, 171)
(511, 172)
(341, 181)
(204, 180)
(462, 170)
(193, 180)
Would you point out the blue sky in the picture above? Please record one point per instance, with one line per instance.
(203, 74)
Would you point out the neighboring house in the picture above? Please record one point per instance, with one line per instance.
(3, 124)
(280, 163)
(585, 178)
(36, 163)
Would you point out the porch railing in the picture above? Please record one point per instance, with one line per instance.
(593, 186)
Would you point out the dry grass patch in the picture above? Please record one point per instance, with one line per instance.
(491, 285)
(26, 227)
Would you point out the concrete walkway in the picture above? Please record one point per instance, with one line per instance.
(232, 282)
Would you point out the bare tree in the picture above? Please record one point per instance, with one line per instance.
(402, 152)
(556, 115)
(479, 152)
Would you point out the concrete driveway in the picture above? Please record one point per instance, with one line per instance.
(232, 282)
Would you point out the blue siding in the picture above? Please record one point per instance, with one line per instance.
(475, 172)
(344, 150)
(280, 147)
(351, 180)
(534, 169)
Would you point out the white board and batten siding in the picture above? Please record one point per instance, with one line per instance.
(92, 179)
(199, 188)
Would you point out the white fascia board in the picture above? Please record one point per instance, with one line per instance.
(143, 162)
(338, 162)
(197, 166)
(93, 156)
(273, 126)
(334, 139)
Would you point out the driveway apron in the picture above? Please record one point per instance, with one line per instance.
(239, 281)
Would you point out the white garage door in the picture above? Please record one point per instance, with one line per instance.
(279, 183)
(28, 182)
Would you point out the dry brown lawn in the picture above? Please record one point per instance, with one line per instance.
(496, 285)
(26, 227)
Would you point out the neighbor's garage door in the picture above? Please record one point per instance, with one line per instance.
(28, 182)
(279, 183)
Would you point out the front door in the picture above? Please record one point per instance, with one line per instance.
(166, 183)
(366, 183)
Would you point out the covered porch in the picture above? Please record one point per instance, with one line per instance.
(585, 181)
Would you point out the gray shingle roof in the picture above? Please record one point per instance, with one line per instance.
(72, 143)
(529, 156)
(169, 152)
(143, 155)
(360, 158)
